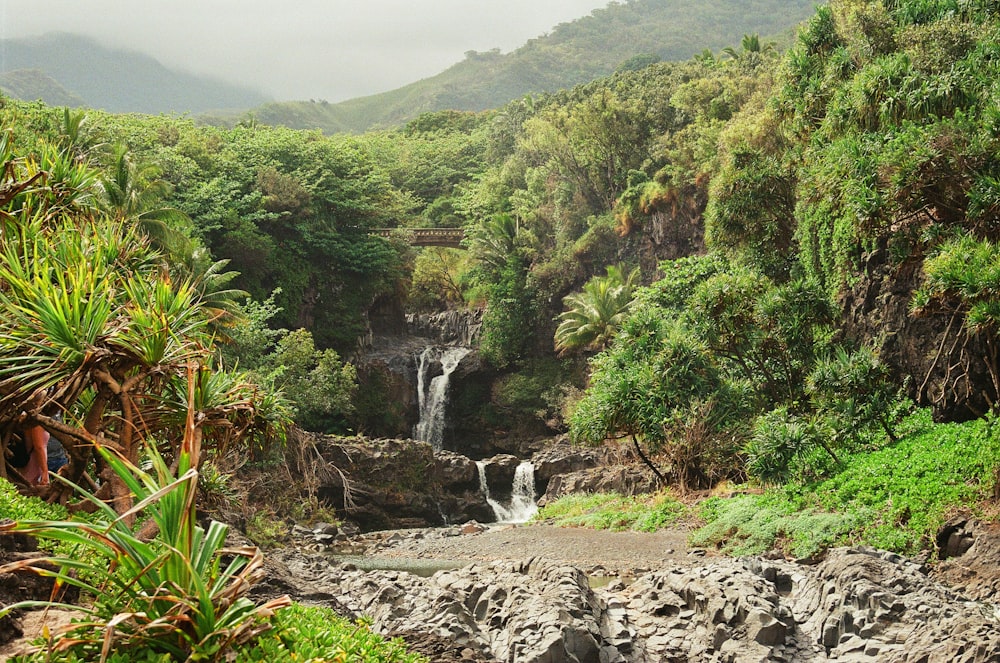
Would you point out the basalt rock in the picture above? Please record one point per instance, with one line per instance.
(622, 479)
(857, 605)
(396, 484)
(971, 550)
(932, 354)
(447, 327)
(499, 472)
(563, 459)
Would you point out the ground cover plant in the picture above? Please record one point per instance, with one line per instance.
(299, 633)
(644, 513)
(895, 498)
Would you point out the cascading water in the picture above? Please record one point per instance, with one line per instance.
(522, 500)
(432, 396)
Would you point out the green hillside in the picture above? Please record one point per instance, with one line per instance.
(622, 35)
(35, 84)
(113, 80)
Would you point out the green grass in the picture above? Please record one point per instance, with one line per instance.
(615, 512)
(300, 633)
(895, 498)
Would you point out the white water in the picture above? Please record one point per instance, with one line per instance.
(433, 397)
(522, 501)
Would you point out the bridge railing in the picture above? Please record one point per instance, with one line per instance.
(450, 237)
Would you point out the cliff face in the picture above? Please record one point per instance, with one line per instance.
(933, 357)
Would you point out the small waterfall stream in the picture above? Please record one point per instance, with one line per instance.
(432, 396)
(522, 500)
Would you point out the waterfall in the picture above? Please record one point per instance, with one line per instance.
(432, 397)
(522, 500)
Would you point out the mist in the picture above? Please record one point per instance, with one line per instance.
(310, 49)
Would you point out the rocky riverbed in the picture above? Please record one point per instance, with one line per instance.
(537, 594)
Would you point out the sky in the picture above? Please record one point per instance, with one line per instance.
(309, 49)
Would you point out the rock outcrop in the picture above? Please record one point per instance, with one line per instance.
(857, 605)
(622, 479)
(397, 484)
(393, 484)
(447, 327)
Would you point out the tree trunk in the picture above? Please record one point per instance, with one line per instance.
(649, 463)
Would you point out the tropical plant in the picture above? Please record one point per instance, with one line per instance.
(507, 322)
(93, 328)
(853, 393)
(595, 314)
(179, 591)
(134, 191)
(659, 386)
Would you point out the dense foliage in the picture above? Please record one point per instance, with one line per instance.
(896, 498)
(800, 220)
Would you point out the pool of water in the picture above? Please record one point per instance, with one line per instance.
(419, 567)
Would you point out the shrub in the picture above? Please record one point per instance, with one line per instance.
(179, 594)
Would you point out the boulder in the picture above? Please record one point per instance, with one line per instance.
(500, 471)
(563, 458)
(623, 479)
(455, 471)
(395, 484)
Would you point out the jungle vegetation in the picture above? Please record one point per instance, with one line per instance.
(167, 284)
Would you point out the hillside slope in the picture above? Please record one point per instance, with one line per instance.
(621, 35)
(35, 84)
(113, 80)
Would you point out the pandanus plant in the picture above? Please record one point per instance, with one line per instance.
(176, 590)
(93, 326)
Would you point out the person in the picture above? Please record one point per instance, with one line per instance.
(57, 456)
(38, 454)
(36, 441)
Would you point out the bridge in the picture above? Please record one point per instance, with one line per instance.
(450, 237)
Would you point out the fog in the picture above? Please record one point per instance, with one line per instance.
(309, 49)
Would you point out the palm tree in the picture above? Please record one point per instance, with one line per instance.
(133, 191)
(595, 315)
(750, 45)
(492, 242)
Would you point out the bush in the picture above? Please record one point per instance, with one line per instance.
(896, 498)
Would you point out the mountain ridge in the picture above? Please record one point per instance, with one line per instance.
(112, 79)
(572, 53)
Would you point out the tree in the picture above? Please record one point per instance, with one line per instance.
(766, 334)
(750, 46)
(594, 316)
(659, 386)
(510, 312)
(133, 191)
(92, 328)
(852, 391)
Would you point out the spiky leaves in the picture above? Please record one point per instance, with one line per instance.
(181, 592)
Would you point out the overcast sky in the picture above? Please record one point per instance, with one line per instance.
(307, 49)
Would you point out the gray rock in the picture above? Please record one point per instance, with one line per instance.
(856, 605)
